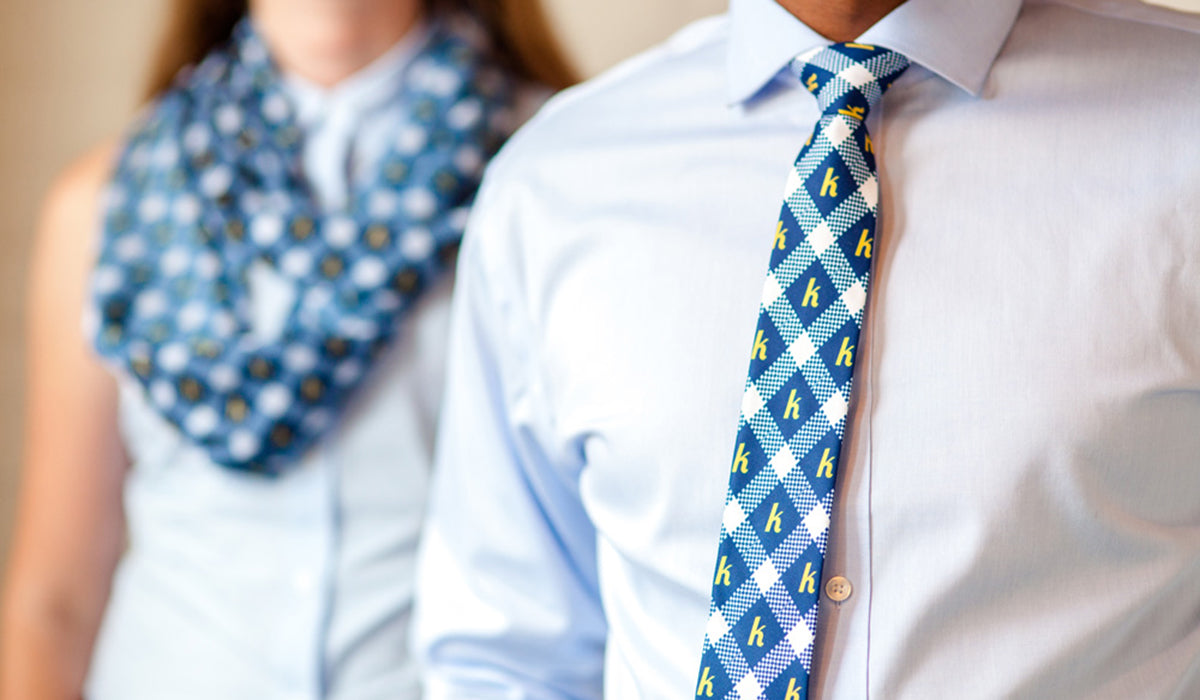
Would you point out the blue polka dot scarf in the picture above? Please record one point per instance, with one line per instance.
(210, 182)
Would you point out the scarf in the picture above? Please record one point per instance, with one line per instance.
(210, 181)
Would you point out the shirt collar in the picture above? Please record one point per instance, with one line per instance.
(371, 86)
(957, 39)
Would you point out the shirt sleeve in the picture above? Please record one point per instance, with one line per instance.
(507, 587)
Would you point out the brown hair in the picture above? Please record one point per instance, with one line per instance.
(520, 29)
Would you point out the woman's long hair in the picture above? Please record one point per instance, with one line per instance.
(519, 28)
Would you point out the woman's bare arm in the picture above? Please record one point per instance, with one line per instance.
(70, 523)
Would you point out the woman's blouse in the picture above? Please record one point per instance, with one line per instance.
(300, 587)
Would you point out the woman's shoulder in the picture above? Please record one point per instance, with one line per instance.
(65, 242)
(74, 195)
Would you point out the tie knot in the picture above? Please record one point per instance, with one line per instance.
(849, 78)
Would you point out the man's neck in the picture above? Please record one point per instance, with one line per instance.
(326, 41)
(840, 20)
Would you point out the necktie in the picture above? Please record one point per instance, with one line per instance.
(763, 616)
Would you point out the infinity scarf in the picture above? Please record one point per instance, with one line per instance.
(210, 181)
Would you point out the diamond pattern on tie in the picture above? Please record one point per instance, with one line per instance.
(763, 616)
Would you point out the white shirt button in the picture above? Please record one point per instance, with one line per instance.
(838, 588)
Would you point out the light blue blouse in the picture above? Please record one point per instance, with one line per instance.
(236, 586)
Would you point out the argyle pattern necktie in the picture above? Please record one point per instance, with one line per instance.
(763, 616)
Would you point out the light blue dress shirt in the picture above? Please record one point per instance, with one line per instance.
(1018, 510)
(236, 586)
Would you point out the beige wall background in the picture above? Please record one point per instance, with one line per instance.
(70, 72)
(69, 75)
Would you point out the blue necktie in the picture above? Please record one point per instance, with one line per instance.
(763, 617)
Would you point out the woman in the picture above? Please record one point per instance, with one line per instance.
(267, 297)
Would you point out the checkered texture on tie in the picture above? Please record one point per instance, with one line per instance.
(763, 617)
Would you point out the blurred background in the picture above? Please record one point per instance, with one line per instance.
(71, 72)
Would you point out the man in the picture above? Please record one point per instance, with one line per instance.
(1017, 511)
